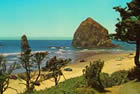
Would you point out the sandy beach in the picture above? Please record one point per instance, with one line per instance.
(112, 62)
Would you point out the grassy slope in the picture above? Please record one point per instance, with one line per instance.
(68, 87)
(71, 87)
(132, 87)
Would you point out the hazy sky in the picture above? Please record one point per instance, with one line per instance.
(53, 19)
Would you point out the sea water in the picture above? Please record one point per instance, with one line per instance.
(61, 48)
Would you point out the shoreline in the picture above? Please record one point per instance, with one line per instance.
(111, 65)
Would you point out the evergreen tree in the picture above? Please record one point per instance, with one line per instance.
(29, 62)
(54, 67)
(128, 26)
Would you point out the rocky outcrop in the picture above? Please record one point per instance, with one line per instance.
(24, 43)
(91, 34)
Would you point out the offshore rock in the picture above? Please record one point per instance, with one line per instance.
(91, 34)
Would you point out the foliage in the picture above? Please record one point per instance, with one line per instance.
(116, 78)
(106, 80)
(92, 75)
(53, 66)
(78, 85)
(69, 87)
(119, 77)
(127, 28)
(98, 80)
(29, 62)
(128, 25)
(4, 74)
(134, 73)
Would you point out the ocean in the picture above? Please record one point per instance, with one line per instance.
(60, 48)
(14, 46)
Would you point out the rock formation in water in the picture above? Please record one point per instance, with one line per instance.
(91, 34)
(24, 43)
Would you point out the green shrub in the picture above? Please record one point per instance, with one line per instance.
(92, 75)
(119, 77)
(116, 78)
(106, 80)
(95, 79)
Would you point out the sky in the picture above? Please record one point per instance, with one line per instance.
(53, 19)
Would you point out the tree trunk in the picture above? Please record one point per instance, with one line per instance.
(1, 90)
(39, 72)
(56, 81)
(137, 62)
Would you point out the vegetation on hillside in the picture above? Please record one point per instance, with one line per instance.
(78, 85)
(71, 86)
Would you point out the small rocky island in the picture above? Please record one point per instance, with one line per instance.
(91, 34)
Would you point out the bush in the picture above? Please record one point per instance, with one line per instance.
(106, 80)
(95, 79)
(134, 73)
(116, 78)
(92, 75)
(119, 77)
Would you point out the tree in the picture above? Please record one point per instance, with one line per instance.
(128, 26)
(5, 74)
(54, 66)
(29, 62)
(92, 74)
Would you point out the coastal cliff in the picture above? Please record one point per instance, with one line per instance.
(91, 34)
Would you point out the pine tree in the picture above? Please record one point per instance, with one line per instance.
(128, 26)
(54, 67)
(29, 62)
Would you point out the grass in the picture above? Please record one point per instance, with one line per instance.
(77, 86)
(71, 86)
(132, 87)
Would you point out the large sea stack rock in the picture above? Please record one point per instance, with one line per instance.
(91, 34)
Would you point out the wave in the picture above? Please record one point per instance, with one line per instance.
(8, 54)
(58, 47)
(53, 47)
(18, 53)
(84, 50)
(60, 51)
